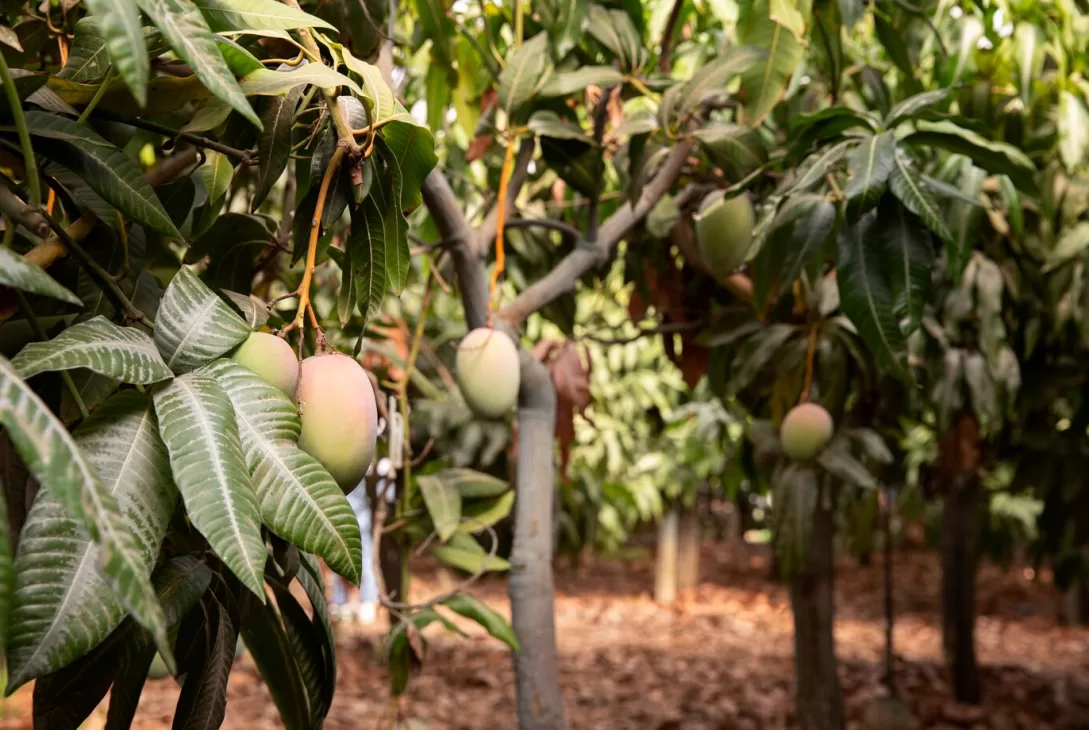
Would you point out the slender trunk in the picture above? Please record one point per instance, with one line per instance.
(540, 701)
(665, 569)
(958, 545)
(819, 697)
(688, 551)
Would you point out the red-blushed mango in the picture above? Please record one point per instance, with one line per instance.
(272, 358)
(488, 371)
(339, 417)
(724, 233)
(805, 430)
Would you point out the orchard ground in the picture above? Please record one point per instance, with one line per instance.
(721, 659)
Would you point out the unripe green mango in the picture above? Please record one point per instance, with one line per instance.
(805, 430)
(724, 232)
(272, 358)
(488, 372)
(339, 417)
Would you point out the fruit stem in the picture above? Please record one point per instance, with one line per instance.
(810, 356)
(312, 247)
(500, 220)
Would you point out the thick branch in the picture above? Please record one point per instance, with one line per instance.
(550, 223)
(486, 232)
(562, 278)
(446, 211)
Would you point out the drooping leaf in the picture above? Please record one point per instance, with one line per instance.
(996, 157)
(905, 184)
(524, 73)
(226, 15)
(69, 473)
(122, 353)
(865, 294)
(102, 166)
(464, 553)
(267, 642)
(307, 647)
(383, 202)
(202, 703)
(437, 25)
(827, 124)
(765, 83)
(1072, 121)
(713, 77)
(964, 219)
(298, 500)
(892, 38)
(18, 273)
(547, 123)
(274, 144)
(266, 82)
(383, 104)
(313, 583)
(194, 326)
(819, 164)
(869, 166)
(733, 147)
(614, 30)
(1071, 243)
(216, 174)
(120, 23)
(443, 502)
(88, 58)
(7, 567)
(564, 83)
(465, 605)
(473, 484)
(413, 146)
(908, 258)
(367, 246)
(479, 515)
(795, 234)
(183, 26)
(838, 461)
(254, 311)
(198, 425)
(63, 606)
(565, 21)
(911, 106)
(128, 686)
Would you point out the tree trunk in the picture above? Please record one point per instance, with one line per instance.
(540, 701)
(959, 535)
(819, 697)
(688, 551)
(665, 568)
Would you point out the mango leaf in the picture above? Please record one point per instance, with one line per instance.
(274, 144)
(713, 77)
(482, 514)
(18, 273)
(254, 311)
(565, 83)
(413, 146)
(869, 166)
(891, 36)
(524, 73)
(907, 257)
(263, 633)
(211, 113)
(202, 702)
(547, 123)
(88, 58)
(439, 28)
(227, 15)
(184, 28)
(304, 638)
(123, 353)
(615, 30)
(911, 106)
(443, 503)
(865, 294)
(838, 461)
(197, 423)
(464, 553)
(62, 468)
(733, 147)
(819, 164)
(812, 219)
(297, 498)
(266, 82)
(7, 566)
(216, 174)
(995, 157)
(465, 605)
(63, 606)
(473, 484)
(102, 166)
(194, 326)
(383, 201)
(765, 83)
(313, 584)
(383, 105)
(1071, 244)
(367, 246)
(124, 37)
(1072, 121)
(905, 184)
(565, 21)
(1012, 200)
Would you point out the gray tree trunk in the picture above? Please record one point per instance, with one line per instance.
(665, 567)
(540, 700)
(819, 697)
(688, 551)
(959, 538)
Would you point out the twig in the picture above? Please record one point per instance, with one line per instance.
(665, 61)
(550, 223)
(39, 332)
(194, 139)
(33, 184)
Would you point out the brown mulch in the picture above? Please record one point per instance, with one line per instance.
(721, 659)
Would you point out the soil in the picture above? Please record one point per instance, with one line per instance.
(720, 659)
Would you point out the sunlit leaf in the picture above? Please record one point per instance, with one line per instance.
(194, 326)
(122, 353)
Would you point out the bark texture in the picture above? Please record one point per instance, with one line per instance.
(959, 540)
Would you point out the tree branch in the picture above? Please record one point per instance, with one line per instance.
(194, 139)
(665, 61)
(486, 231)
(562, 278)
(601, 116)
(551, 224)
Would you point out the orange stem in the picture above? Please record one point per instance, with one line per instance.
(500, 220)
(810, 356)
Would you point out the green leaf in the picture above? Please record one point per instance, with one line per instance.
(806, 222)
(905, 184)
(865, 294)
(908, 257)
(482, 514)
(733, 147)
(202, 702)
(274, 144)
(712, 78)
(383, 202)
(1072, 121)
(819, 164)
(184, 28)
(88, 58)
(383, 104)
(238, 59)
(838, 461)
(911, 106)
(869, 166)
(313, 583)
(995, 157)
(437, 25)
(443, 503)
(1071, 244)
(7, 567)
(564, 20)
(1012, 200)
(18, 273)
(464, 553)
(123, 353)
(297, 498)
(194, 326)
(473, 484)
(892, 38)
(254, 311)
(465, 605)
(124, 37)
(198, 425)
(63, 605)
(61, 467)
(211, 113)
(965, 218)
(765, 83)
(565, 83)
(615, 30)
(346, 295)
(413, 146)
(128, 686)
(102, 166)
(547, 123)
(216, 174)
(304, 638)
(267, 642)
(523, 74)
(266, 82)
(227, 15)
(367, 246)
